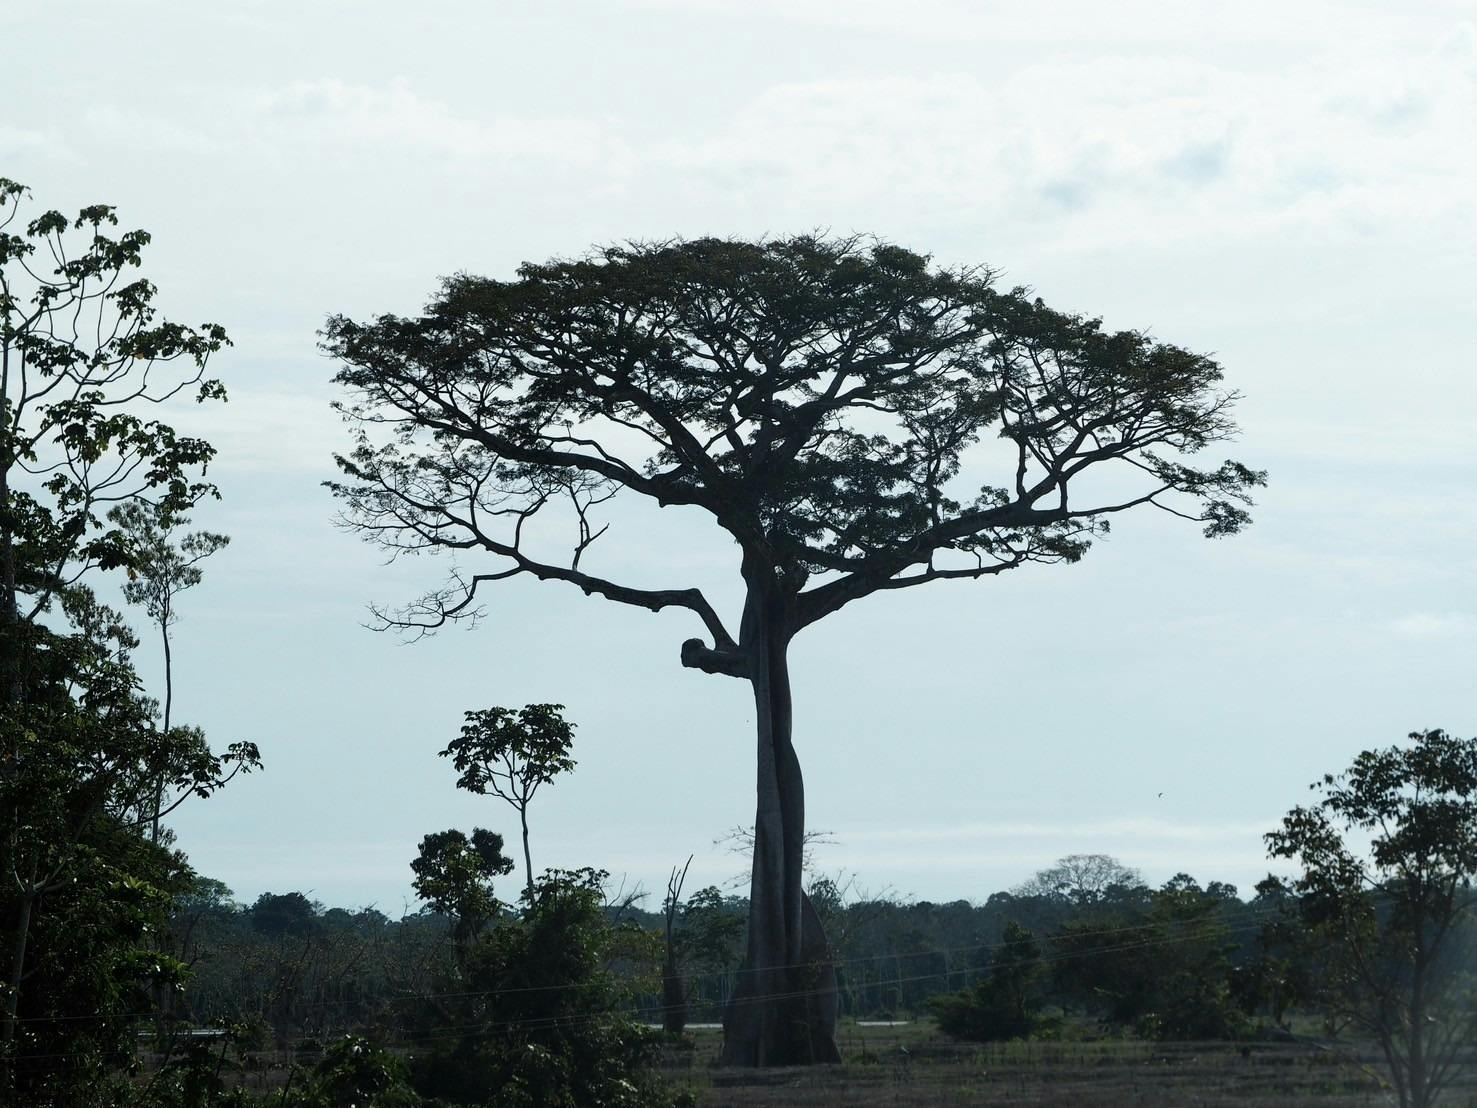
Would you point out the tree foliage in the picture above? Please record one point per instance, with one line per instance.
(1395, 922)
(1005, 1004)
(159, 570)
(454, 875)
(83, 356)
(1082, 880)
(545, 1017)
(855, 419)
(511, 754)
(816, 397)
(82, 351)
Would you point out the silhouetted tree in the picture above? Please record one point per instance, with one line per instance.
(674, 988)
(278, 914)
(1081, 880)
(158, 572)
(453, 874)
(510, 754)
(822, 400)
(81, 352)
(1396, 922)
(1286, 960)
(83, 355)
(545, 1019)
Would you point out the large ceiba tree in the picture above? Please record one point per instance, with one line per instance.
(853, 417)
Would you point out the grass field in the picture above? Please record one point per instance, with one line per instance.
(916, 1066)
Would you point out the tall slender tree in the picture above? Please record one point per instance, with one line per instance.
(84, 356)
(510, 754)
(836, 406)
(158, 572)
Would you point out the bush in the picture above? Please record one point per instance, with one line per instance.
(982, 1014)
(1004, 1005)
(545, 1015)
(355, 1073)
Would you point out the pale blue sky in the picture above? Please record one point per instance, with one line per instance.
(1287, 186)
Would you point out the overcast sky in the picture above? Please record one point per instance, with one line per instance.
(1287, 186)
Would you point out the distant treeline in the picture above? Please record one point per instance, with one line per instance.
(1183, 960)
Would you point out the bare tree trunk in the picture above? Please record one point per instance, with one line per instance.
(168, 705)
(674, 988)
(527, 858)
(783, 1011)
(674, 995)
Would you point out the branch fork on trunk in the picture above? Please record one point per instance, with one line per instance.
(697, 654)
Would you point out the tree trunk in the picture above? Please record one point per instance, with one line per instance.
(12, 684)
(17, 966)
(168, 706)
(527, 858)
(1417, 1079)
(674, 995)
(783, 1011)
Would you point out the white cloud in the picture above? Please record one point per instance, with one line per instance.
(1114, 148)
(136, 128)
(335, 111)
(1059, 832)
(268, 430)
(25, 142)
(1434, 625)
(1107, 25)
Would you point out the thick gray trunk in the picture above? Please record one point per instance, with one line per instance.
(783, 1011)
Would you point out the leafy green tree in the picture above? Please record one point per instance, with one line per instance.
(1082, 880)
(1157, 964)
(81, 351)
(454, 874)
(157, 573)
(545, 1015)
(354, 1073)
(817, 399)
(92, 965)
(1005, 1004)
(1283, 967)
(510, 754)
(83, 354)
(1396, 921)
(1189, 964)
(278, 914)
(82, 759)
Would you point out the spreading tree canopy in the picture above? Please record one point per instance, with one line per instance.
(855, 418)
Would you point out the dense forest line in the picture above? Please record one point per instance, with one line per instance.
(1182, 961)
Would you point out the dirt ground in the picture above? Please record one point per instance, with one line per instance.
(915, 1066)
